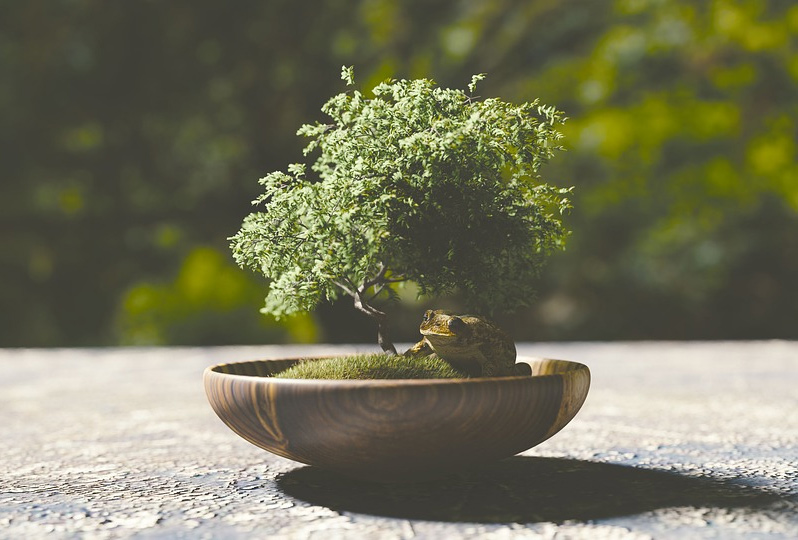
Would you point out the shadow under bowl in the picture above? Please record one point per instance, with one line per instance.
(396, 430)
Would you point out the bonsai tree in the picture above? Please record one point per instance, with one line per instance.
(419, 183)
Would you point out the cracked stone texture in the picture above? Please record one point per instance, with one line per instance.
(676, 440)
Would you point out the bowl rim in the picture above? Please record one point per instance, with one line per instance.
(353, 383)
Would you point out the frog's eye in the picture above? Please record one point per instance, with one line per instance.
(456, 325)
(427, 315)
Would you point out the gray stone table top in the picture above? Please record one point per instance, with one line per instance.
(676, 440)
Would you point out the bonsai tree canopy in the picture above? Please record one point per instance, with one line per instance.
(419, 183)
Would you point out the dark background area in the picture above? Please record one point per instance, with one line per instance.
(132, 135)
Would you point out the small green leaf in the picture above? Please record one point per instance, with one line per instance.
(474, 80)
(348, 75)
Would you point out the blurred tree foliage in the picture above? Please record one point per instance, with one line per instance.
(132, 132)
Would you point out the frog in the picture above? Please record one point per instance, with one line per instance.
(470, 344)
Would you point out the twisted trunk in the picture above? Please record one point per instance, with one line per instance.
(382, 324)
(379, 282)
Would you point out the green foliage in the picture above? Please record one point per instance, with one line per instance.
(372, 366)
(418, 183)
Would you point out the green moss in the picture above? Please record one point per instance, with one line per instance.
(372, 366)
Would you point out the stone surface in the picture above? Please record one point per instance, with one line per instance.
(676, 440)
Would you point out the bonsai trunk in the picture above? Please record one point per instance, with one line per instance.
(382, 324)
(379, 282)
(382, 336)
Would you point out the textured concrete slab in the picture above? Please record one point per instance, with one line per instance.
(676, 440)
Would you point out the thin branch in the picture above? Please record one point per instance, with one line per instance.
(374, 281)
(378, 290)
(368, 309)
(346, 289)
(384, 284)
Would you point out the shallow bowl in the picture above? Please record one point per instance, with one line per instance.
(396, 430)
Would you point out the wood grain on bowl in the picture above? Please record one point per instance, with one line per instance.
(391, 430)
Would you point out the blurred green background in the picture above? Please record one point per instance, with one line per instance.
(132, 135)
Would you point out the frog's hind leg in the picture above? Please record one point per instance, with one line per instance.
(521, 368)
(490, 369)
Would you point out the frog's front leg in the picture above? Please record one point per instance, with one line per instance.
(422, 348)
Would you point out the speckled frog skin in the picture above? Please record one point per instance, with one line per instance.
(470, 344)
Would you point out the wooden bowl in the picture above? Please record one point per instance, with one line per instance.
(396, 430)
